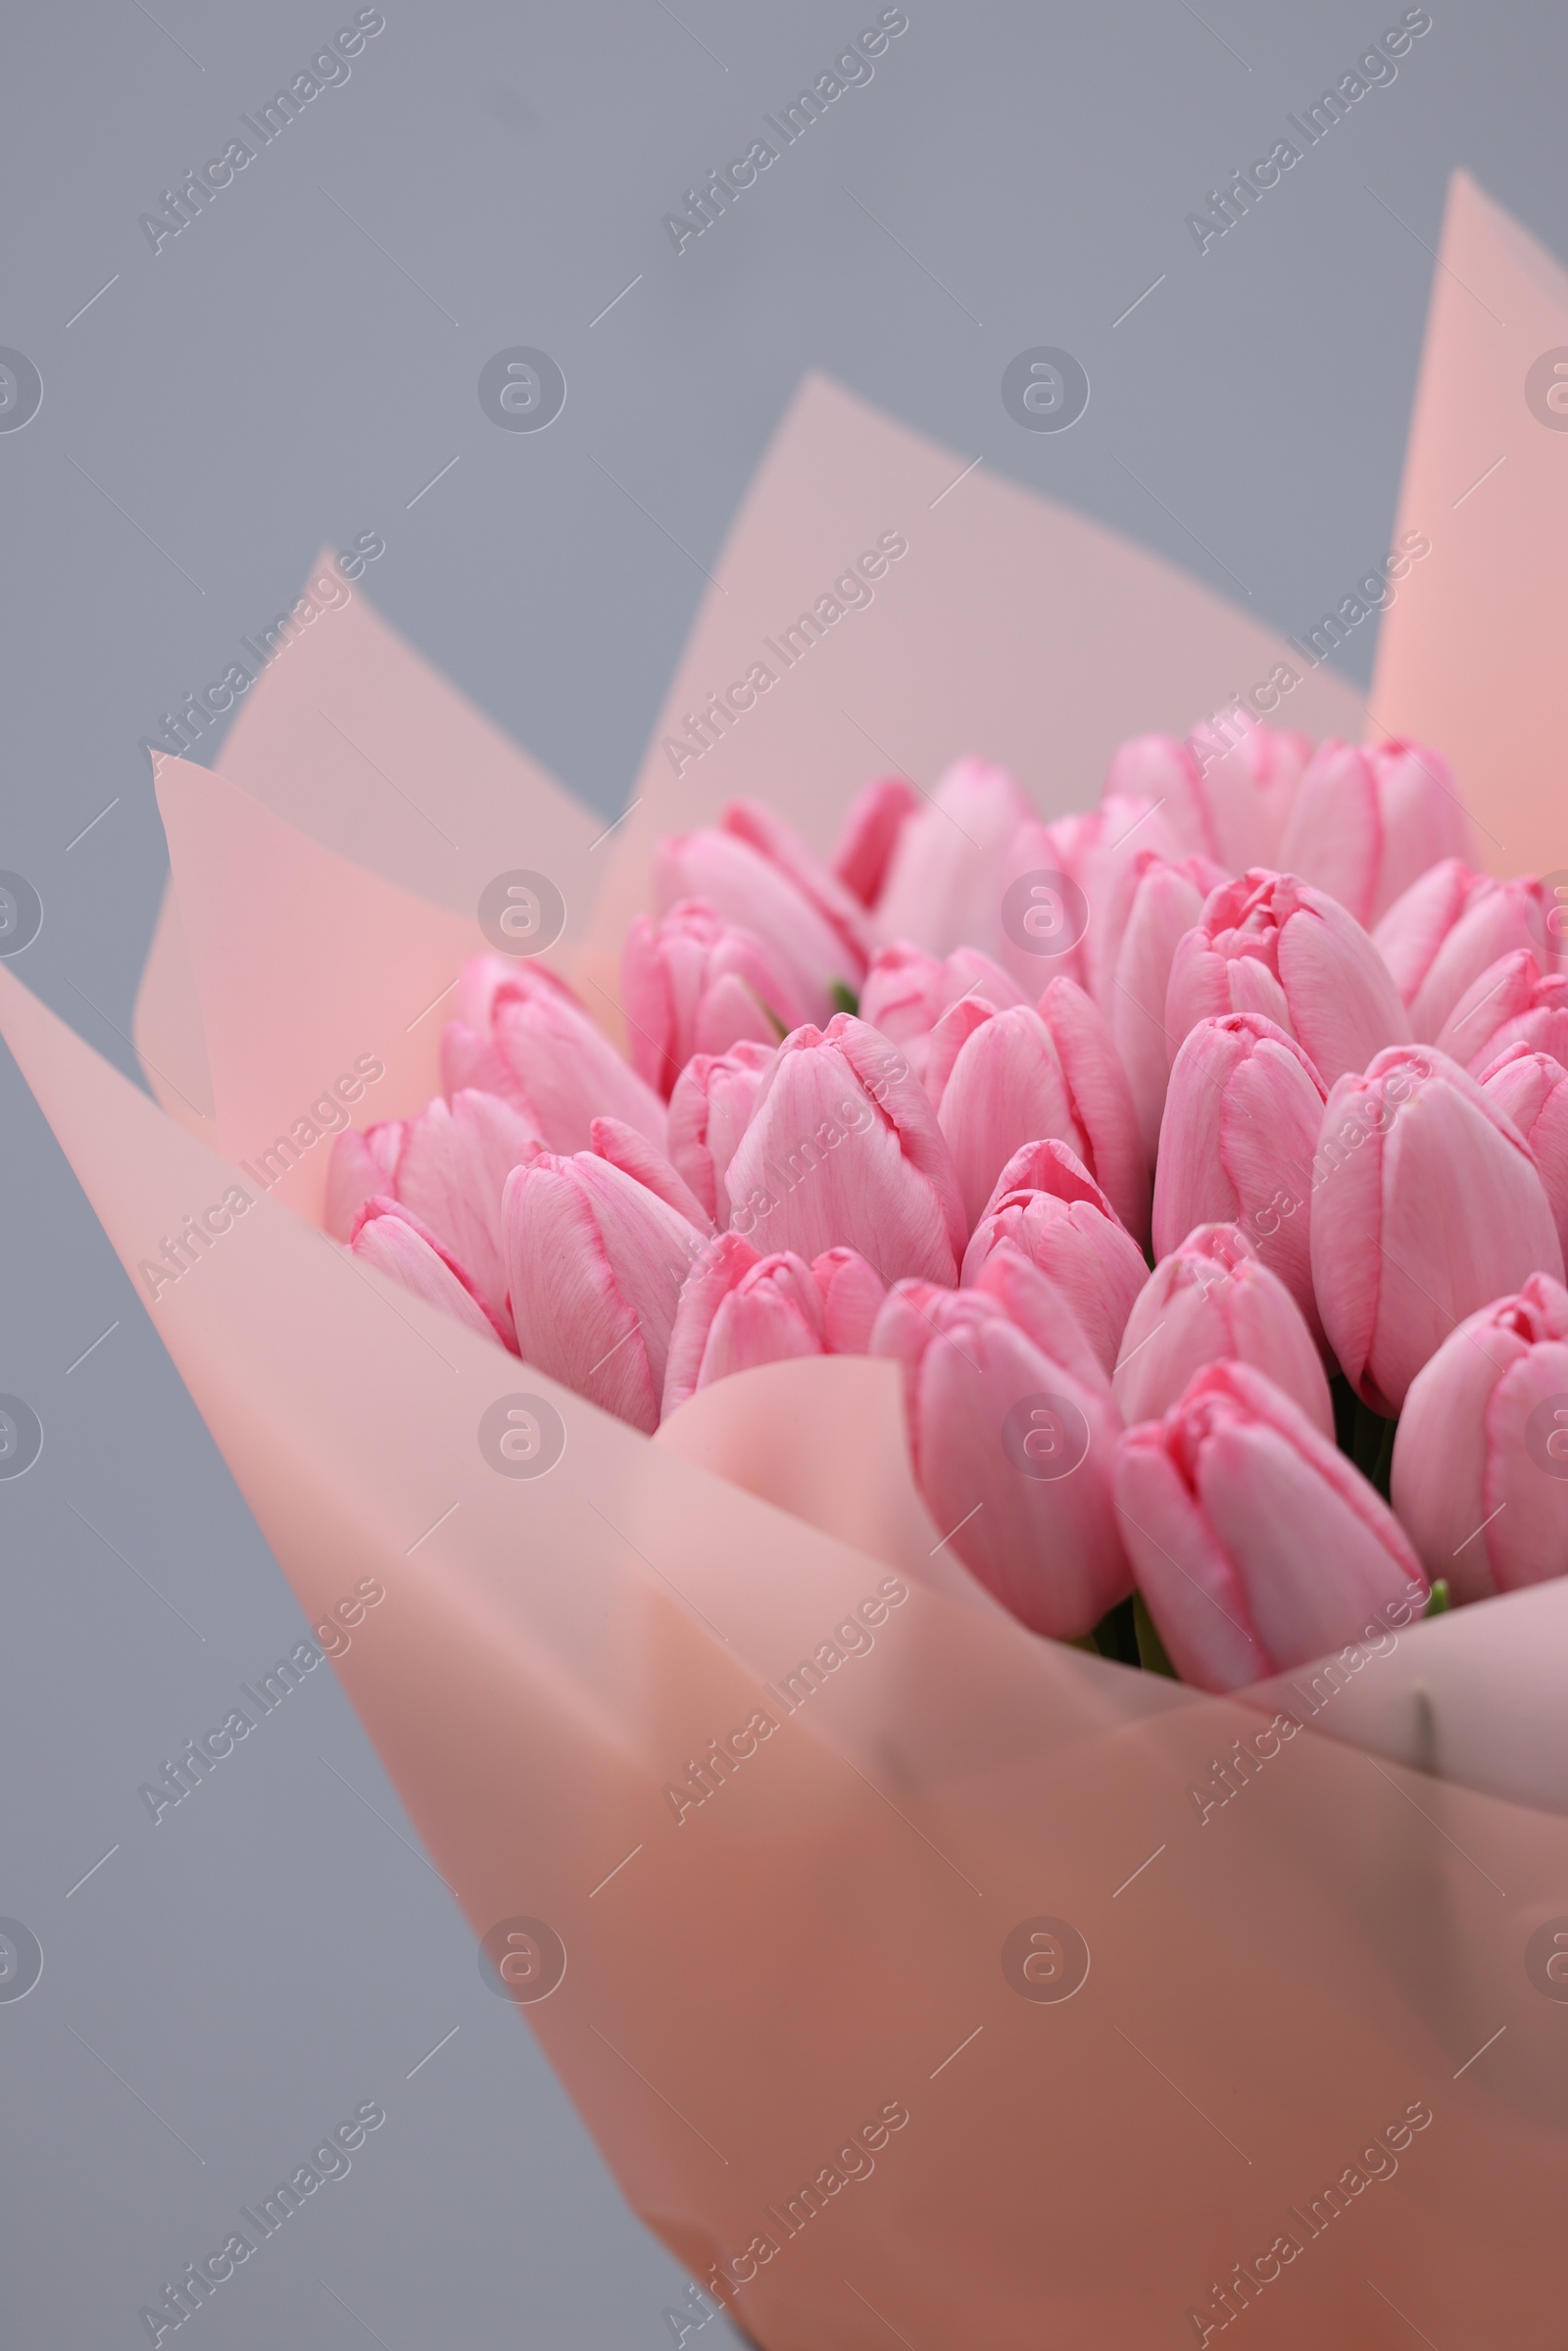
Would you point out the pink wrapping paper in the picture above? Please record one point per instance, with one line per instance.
(804, 2017)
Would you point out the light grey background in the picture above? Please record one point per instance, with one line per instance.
(229, 1984)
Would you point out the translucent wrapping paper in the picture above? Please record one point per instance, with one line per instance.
(920, 1979)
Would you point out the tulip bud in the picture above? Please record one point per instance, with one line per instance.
(392, 1240)
(763, 829)
(1212, 1301)
(1236, 1145)
(1225, 791)
(1255, 1543)
(1166, 903)
(871, 834)
(844, 1147)
(451, 1173)
(595, 1263)
(737, 1310)
(1530, 1090)
(1511, 1003)
(1480, 1456)
(713, 1100)
(696, 984)
(1047, 1203)
(1268, 943)
(945, 878)
(550, 1060)
(1001, 1079)
(1013, 1455)
(749, 890)
(852, 1294)
(1365, 823)
(906, 991)
(362, 1166)
(1449, 927)
(635, 1155)
(1427, 1206)
(1098, 853)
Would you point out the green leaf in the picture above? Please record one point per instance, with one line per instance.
(1440, 1600)
(844, 999)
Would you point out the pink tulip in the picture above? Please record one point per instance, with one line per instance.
(1480, 1456)
(484, 978)
(756, 823)
(844, 1147)
(695, 984)
(447, 1167)
(625, 1148)
(1241, 1125)
(595, 1263)
(556, 1068)
(1427, 1206)
(1365, 823)
(739, 1309)
(755, 893)
(871, 834)
(906, 991)
(1530, 1089)
(1511, 1003)
(1048, 1204)
(852, 1294)
(1225, 792)
(709, 1109)
(1166, 903)
(945, 881)
(1001, 1079)
(1011, 1452)
(1449, 926)
(1257, 1544)
(1270, 944)
(392, 1240)
(1099, 854)
(362, 1166)
(1212, 1301)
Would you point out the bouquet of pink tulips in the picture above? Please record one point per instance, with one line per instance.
(1161, 1027)
(791, 1346)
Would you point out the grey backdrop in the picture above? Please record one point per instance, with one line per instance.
(293, 367)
